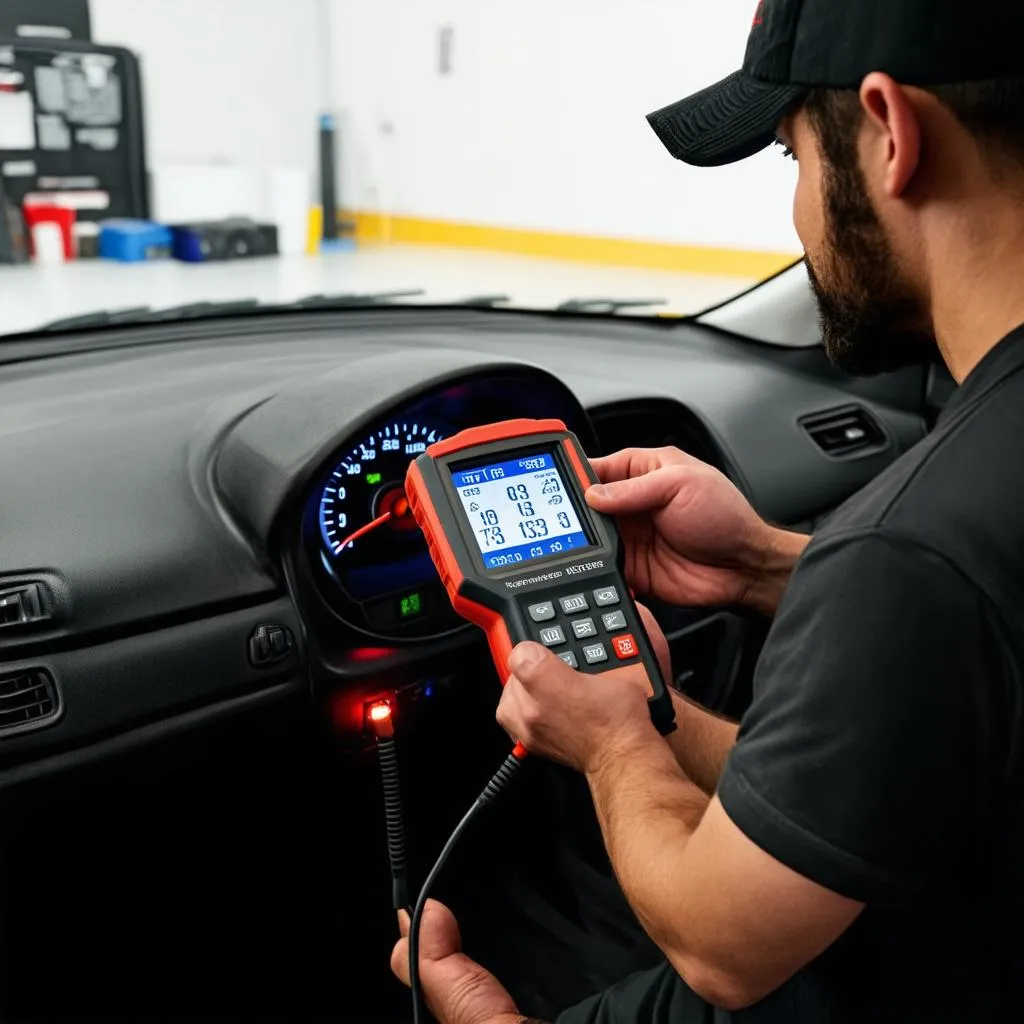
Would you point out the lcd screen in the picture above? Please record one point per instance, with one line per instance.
(520, 510)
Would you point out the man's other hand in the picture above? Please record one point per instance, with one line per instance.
(457, 990)
(575, 719)
(691, 537)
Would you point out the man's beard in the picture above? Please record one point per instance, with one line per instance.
(872, 320)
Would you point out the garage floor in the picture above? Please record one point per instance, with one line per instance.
(31, 296)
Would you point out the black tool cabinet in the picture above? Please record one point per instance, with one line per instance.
(85, 103)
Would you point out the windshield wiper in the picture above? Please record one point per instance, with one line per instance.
(346, 301)
(483, 301)
(200, 310)
(207, 310)
(147, 315)
(103, 318)
(606, 305)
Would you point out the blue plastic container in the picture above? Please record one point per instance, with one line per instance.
(133, 241)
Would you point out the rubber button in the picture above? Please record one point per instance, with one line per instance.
(552, 636)
(573, 604)
(625, 646)
(543, 612)
(614, 621)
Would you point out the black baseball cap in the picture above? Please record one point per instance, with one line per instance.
(798, 44)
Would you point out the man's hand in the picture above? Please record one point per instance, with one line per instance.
(691, 537)
(457, 990)
(576, 719)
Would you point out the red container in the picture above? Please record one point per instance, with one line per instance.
(64, 217)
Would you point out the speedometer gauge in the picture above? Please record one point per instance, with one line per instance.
(385, 579)
(368, 479)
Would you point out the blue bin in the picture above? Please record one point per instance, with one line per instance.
(133, 241)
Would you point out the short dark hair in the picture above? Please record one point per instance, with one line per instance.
(992, 111)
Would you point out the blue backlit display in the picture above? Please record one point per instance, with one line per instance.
(519, 510)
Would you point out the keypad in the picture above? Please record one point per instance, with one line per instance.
(552, 636)
(588, 627)
(625, 647)
(543, 612)
(614, 621)
(606, 596)
(583, 628)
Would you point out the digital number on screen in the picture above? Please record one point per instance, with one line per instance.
(519, 510)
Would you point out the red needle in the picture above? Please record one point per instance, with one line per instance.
(399, 510)
(363, 530)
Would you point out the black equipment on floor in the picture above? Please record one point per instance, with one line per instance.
(233, 239)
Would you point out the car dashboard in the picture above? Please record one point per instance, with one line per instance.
(177, 501)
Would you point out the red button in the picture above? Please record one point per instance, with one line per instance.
(625, 646)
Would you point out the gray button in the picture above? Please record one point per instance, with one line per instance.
(542, 612)
(582, 628)
(574, 603)
(606, 596)
(552, 636)
(570, 659)
(614, 620)
(595, 654)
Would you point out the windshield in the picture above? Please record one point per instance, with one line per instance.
(176, 159)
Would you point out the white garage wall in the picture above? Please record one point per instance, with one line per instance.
(226, 81)
(541, 122)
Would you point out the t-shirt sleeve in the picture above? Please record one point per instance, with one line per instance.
(873, 743)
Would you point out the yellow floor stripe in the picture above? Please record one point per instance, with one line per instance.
(382, 228)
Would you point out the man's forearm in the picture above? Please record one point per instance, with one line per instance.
(648, 810)
(772, 569)
(701, 742)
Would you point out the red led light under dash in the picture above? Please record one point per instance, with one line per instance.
(380, 712)
(378, 715)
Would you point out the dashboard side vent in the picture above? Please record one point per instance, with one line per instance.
(840, 433)
(22, 605)
(28, 700)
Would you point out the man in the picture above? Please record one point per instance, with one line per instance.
(855, 850)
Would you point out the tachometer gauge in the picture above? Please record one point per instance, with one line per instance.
(385, 577)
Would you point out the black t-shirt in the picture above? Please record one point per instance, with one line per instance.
(881, 756)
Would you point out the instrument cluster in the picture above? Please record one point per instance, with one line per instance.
(382, 582)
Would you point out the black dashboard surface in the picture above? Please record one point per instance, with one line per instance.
(147, 477)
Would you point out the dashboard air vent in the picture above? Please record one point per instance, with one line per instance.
(28, 700)
(841, 433)
(22, 605)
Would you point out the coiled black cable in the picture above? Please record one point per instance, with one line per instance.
(395, 823)
(501, 778)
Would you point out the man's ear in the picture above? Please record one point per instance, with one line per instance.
(894, 146)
